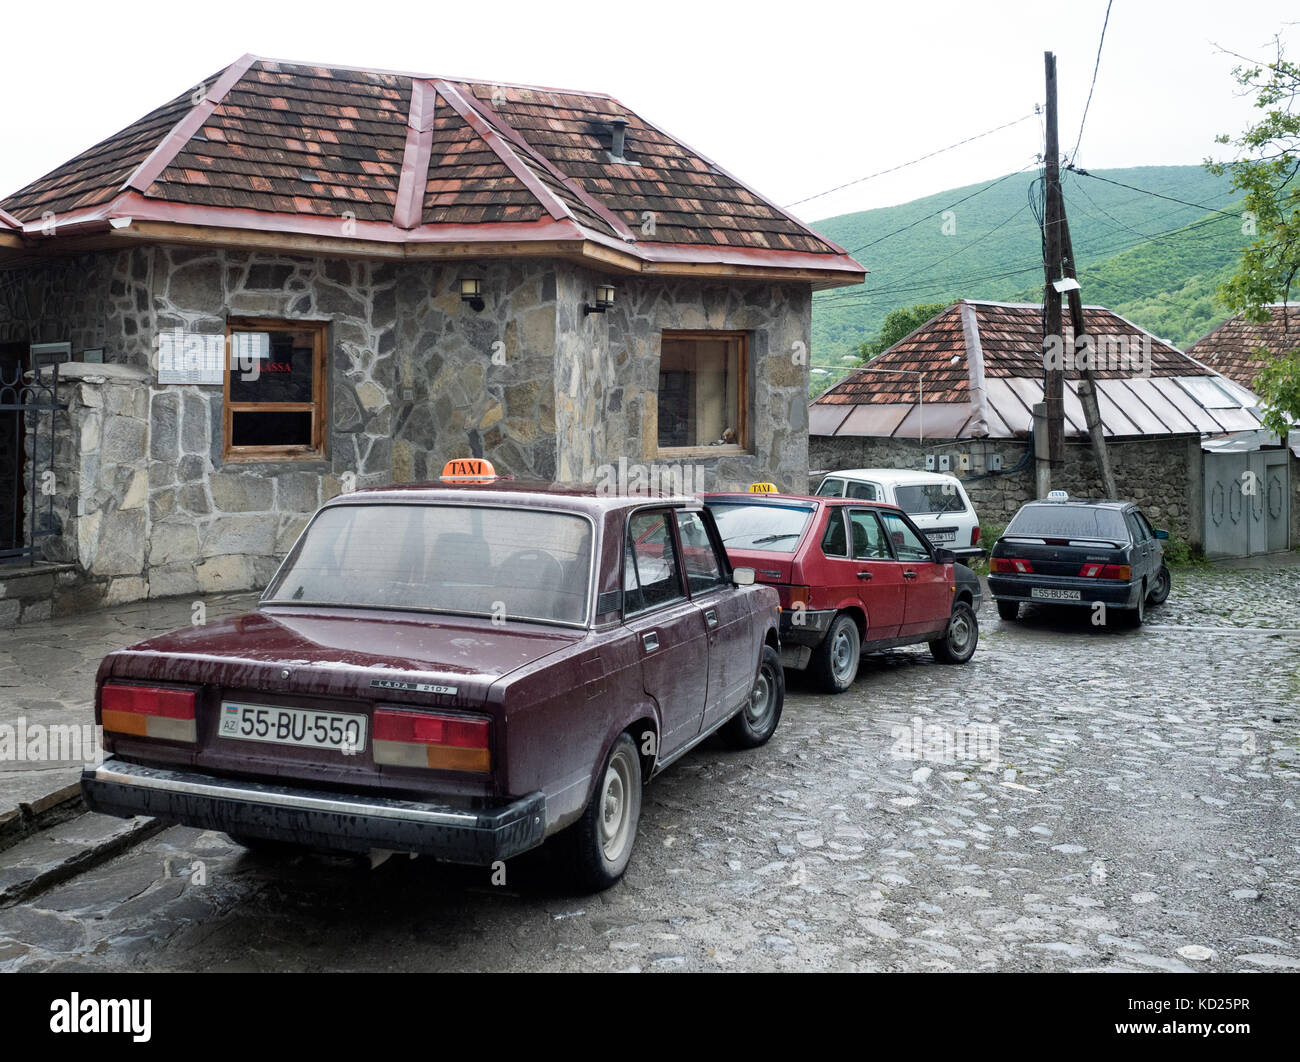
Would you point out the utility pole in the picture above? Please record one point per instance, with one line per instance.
(1058, 263)
(1053, 210)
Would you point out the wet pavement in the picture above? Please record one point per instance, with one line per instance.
(1074, 798)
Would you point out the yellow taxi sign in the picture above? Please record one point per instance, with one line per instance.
(469, 470)
(763, 488)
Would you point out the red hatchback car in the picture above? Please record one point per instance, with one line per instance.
(461, 671)
(854, 576)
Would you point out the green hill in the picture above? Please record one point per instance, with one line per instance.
(1156, 262)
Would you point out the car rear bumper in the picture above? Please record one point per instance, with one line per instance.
(314, 819)
(967, 553)
(1090, 591)
(805, 626)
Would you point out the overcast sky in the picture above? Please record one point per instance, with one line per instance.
(792, 98)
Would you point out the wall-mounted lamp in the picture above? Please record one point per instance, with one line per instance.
(604, 299)
(471, 291)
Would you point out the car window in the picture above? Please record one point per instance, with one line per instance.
(831, 488)
(863, 491)
(1061, 520)
(869, 541)
(1146, 524)
(1135, 527)
(703, 569)
(773, 528)
(907, 546)
(657, 575)
(835, 542)
(921, 498)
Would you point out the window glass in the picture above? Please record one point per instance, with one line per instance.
(480, 560)
(1061, 520)
(703, 570)
(767, 527)
(921, 498)
(868, 537)
(273, 392)
(658, 579)
(701, 379)
(831, 488)
(865, 491)
(907, 546)
(1136, 528)
(835, 542)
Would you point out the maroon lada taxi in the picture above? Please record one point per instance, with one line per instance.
(854, 576)
(461, 670)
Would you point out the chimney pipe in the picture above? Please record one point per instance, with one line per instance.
(618, 127)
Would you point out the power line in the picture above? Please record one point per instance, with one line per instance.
(904, 165)
(1096, 67)
(1145, 191)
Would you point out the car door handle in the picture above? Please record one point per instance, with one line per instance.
(650, 640)
(865, 575)
(711, 617)
(909, 575)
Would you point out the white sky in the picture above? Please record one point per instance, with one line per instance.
(793, 99)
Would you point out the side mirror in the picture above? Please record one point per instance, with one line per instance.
(945, 556)
(743, 576)
(1161, 534)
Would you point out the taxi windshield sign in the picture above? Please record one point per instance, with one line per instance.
(469, 470)
(762, 488)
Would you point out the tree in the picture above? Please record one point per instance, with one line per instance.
(899, 323)
(1265, 170)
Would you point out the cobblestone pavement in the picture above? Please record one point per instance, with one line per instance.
(1117, 800)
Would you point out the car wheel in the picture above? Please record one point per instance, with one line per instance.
(835, 661)
(1133, 617)
(756, 722)
(958, 642)
(1009, 610)
(1160, 592)
(599, 844)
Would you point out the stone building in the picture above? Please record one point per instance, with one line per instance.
(291, 280)
(961, 388)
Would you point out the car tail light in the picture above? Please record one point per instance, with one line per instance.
(1010, 564)
(800, 595)
(1122, 572)
(419, 739)
(975, 535)
(149, 711)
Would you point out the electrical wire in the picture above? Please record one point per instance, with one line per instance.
(1097, 66)
(1146, 191)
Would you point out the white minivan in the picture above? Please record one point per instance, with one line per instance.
(936, 502)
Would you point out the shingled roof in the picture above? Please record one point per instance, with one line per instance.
(422, 164)
(980, 367)
(1240, 348)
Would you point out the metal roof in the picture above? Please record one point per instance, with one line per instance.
(976, 371)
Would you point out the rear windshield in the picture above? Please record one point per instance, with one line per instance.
(475, 560)
(918, 499)
(1054, 520)
(773, 528)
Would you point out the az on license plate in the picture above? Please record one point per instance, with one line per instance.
(1049, 594)
(292, 726)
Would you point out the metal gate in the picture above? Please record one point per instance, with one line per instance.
(26, 458)
(1246, 498)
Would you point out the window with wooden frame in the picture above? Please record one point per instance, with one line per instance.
(703, 393)
(274, 390)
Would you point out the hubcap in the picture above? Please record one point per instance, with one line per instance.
(615, 807)
(760, 700)
(842, 654)
(959, 633)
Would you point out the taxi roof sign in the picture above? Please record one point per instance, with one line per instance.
(763, 488)
(468, 470)
(1057, 495)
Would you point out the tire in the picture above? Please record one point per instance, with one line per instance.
(1160, 592)
(1133, 617)
(959, 638)
(757, 721)
(834, 663)
(1009, 610)
(597, 847)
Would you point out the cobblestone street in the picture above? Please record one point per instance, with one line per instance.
(1072, 799)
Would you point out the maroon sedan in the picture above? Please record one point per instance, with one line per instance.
(461, 670)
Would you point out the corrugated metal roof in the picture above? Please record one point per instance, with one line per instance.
(1161, 398)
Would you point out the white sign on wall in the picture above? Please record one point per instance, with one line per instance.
(191, 358)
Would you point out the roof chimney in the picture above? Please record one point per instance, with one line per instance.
(618, 129)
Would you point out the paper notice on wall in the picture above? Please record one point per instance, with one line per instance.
(190, 358)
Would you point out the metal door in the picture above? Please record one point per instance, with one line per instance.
(1247, 499)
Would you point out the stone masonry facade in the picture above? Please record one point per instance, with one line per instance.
(145, 505)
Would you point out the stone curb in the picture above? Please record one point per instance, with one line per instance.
(31, 816)
(61, 852)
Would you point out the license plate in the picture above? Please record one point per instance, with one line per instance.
(1048, 594)
(941, 536)
(293, 726)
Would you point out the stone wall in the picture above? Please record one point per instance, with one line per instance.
(607, 374)
(1162, 475)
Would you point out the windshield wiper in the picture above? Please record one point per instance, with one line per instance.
(775, 538)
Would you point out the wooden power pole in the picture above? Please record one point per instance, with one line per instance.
(1058, 264)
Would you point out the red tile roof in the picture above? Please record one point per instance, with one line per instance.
(408, 158)
(993, 392)
(1239, 348)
